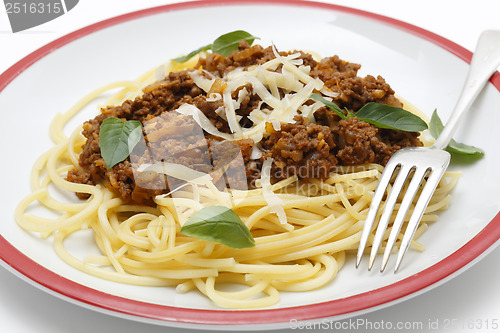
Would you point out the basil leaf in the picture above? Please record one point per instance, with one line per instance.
(436, 127)
(463, 149)
(223, 45)
(385, 116)
(331, 105)
(218, 224)
(117, 139)
(380, 115)
(229, 42)
(192, 53)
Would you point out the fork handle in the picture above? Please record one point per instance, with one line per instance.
(484, 63)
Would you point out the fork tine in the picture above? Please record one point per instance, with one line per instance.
(423, 201)
(415, 182)
(389, 207)
(375, 203)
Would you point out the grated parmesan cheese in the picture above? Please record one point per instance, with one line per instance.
(213, 97)
(178, 171)
(274, 202)
(256, 153)
(201, 81)
(202, 120)
(283, 84)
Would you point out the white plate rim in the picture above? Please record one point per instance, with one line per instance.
(23, 266)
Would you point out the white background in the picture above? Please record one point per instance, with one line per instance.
(470, 301)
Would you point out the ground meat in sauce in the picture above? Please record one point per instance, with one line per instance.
(359, 142)
(302, 148)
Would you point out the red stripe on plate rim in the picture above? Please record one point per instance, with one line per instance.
(336, 308)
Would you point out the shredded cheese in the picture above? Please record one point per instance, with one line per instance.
(201, 81)
(234, 126)
(283, 84)
(178, 171)
(213, 97)
(191, 176)
(274, 202)
(202, 120)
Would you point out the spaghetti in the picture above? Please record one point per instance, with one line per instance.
(302, 228)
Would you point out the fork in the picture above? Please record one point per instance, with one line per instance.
(415, 164)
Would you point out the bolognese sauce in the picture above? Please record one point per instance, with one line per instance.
(306, 147)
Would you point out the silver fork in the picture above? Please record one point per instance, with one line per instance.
(418, 163)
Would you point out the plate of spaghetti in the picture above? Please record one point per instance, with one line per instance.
(222, 178)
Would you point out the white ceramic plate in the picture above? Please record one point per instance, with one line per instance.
(424, 68)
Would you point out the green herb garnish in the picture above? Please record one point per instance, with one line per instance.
(223, 45)
(227, 43)
(192, 53)
(218, 224)
(117, 139)
(331, 105)
(436, 127)
(380, 115)
(391, 117)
